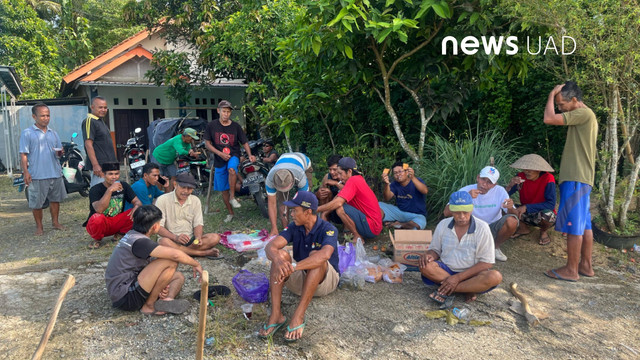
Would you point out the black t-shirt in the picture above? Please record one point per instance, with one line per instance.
(225, 138)
(95, 129)
(142, 248)
(116, 204)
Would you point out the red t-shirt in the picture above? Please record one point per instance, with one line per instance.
(358, 194)
(532, 192)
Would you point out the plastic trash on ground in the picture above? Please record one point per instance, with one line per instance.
(352, 279)
(246, 242)
(253, 288)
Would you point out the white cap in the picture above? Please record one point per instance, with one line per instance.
(490, 173)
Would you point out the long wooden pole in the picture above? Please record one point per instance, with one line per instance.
(202, 324)
(68, 284)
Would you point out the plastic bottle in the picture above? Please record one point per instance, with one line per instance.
(636, 247)
(462, 314)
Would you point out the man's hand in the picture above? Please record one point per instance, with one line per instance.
(97, 170)
(557, 89)
(252, 158)
(507, 204)
(323, 193)
(410, 172)
(521, 210)
(425, 259)
(197, 271)
(224, 156)
(385, 179)
(27, 178)
(474, 193)
(166, 182)
(449, 285)
(283, 269)
(182, 239)
(115, 187)
(133, 210)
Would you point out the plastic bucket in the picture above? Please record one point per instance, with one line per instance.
(69, 174)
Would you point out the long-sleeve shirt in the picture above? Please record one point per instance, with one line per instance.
(537, 195)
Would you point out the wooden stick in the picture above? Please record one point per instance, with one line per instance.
(202, 324)
(531, 319)
(71, 281)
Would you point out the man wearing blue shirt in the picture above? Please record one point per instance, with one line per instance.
(313, 270)
(147, 188)
(410, 210)
(40, 147)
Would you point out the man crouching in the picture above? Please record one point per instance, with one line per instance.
(461, 254)
(134, 281)
(313, 271)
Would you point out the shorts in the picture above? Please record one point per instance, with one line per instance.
(169, 171)
(536, 218)
(40, 190)
(358, 217)
(574, 216)
(221, 177)
(498, 224)
(327, 286)
(133, 299)
(393, 213)
(451, 272)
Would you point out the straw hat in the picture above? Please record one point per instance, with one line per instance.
(532, 162)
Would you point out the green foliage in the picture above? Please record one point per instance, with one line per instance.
(173, 69)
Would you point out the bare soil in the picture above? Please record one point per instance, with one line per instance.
(594, 318)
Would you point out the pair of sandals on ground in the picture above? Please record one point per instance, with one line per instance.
(270, 330)
(446, 301)
(544, 240)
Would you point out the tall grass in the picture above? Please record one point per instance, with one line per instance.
(452, 163)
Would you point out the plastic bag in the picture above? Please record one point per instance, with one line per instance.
(361, 254)
(352, 278)
(253, 288)
(374, 272)
(346, 256)
(392, 271)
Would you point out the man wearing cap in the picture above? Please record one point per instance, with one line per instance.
(106, 206)
(356, 204)
(537, 188)
(290, 169)
(490, 201)
(97, 140)
(577, 173)
(313, 271)
(182, 225)
(167, 152)
(461, 254)
(409, 190)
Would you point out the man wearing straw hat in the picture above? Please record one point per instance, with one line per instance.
(577, 174)
(537, 188)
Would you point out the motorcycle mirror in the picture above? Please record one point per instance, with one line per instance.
(74, 135)
(137, 130)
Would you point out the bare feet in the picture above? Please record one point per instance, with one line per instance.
(210, 252)
(58, 226)
(148, 310)
(585, 270)
(470, 297)
(39, 232)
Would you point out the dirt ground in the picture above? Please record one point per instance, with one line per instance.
(594, 318)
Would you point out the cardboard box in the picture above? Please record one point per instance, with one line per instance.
(408, 245)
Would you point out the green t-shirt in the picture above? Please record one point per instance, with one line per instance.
(579, 155)
(167, 152)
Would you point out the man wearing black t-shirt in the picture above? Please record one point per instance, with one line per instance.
(106, 206)
(223, 138)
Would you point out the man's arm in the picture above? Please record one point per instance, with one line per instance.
(24, 164)
(178, 238)
(420, 186)
(91, 153)
(198, 231)
(166, 252)
(271, 158)
(332, 205)
(387, 194)
(210, 147)
(550, 116)
(316, 258)
(278, 259)
(102, 204)
(446, 212)
(247, 150)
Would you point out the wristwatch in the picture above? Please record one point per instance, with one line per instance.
(294, 264)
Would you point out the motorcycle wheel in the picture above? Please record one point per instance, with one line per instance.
(261, 200)
(84, 192)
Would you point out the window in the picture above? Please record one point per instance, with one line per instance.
(144, 101)
(204, 101)
(157, 101)
(130, 101)
(197, 101)
(116, 101)
(213, 101)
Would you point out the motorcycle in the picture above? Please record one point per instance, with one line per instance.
(197, 166)
(134, 156)
(255, 175)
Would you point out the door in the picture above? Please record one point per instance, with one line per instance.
(126, 121)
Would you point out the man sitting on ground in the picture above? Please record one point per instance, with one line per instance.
(135, 281)
(461, 254)
(182, 225)
(313, 271)
(410, 210)
(489, 202)
(537, 188)
(167, 152)
(106, 206)
(148, 188)
(330, 185)
(290, 169)
(356, 204)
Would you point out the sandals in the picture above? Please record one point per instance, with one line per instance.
(290, 330)
(266, 327)
(545, 240)
(446, 302)
(95, 244)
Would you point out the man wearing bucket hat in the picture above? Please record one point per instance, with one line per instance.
(461, 254)
(313, 271)
(537, 188)
(291, 169)
(167, 152)
(490, 203)
(577, 174)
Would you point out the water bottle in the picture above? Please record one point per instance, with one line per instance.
(462, 314)
(636, 247)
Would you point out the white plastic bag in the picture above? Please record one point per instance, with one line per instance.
(361, 254)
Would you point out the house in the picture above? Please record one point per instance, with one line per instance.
(118, 75)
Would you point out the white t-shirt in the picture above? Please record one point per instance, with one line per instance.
(488, 207)
(474, 247)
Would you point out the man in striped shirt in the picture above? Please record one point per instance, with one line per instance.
(97, 140)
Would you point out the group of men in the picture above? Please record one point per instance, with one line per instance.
(479, 217)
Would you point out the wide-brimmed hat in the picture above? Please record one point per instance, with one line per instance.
(283, 180)
(532, 162)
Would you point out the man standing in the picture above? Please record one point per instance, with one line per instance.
(577, 173)
(410, 210)
(147, 188)
(290, 169)
(97, 140)
(223, 138)
(460, 256)
(106, 206)
(313, 270)
(167, 152)
(489, 202)
(182, 225)
(356, 204)
(41, 167)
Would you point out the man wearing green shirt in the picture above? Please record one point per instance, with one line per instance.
(167, 152)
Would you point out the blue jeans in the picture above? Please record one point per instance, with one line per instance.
(393, 213)
(358, 217)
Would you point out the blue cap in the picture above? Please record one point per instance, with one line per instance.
(305, 199)
(461, 201)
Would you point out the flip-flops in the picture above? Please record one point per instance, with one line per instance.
(219, 257)
(266, 327)
(444, 304)
(557, 277)
(545, 240)
(95, 244)
(214, 290)
(290, 330)
(172, 306)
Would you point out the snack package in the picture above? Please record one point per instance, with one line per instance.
(392, 271)
(385, 172)
(374, 273)
(405, 166)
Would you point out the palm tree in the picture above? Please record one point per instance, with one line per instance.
(45, 8)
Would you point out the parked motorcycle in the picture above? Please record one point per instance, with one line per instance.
(134, 156)
(255, 175)
(197, 166)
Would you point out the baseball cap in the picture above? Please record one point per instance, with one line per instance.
(490, 173)
(185, 179)
(191, 132)
(461, 201)
(224, 104)
(304, 199)
(347, 163)
(283, 180)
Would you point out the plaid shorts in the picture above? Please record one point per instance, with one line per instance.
(537, 217)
